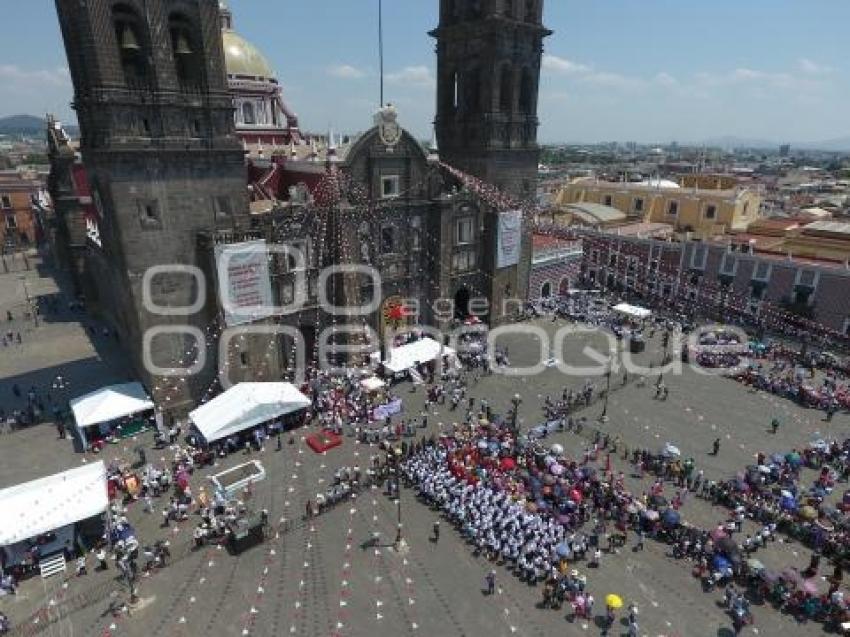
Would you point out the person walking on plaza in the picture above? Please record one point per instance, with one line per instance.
(639, 543)
(490, 580)
(102, 564)
(774, 425)
(715, 447)
(436, 529)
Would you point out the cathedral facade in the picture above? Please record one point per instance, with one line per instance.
(174, 178)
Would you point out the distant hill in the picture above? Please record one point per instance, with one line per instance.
(840, 145)
(27, 125)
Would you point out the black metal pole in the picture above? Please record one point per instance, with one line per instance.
(398, 537)
(607, 392)
(381, 48)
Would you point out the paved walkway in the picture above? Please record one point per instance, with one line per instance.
(315, 579)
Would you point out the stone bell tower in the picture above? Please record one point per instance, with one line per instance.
(162, 159)
(488, 73)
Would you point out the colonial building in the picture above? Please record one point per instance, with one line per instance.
(555, 266)
(702, 212)
(722, 280)
(261, 116)
(165, 133)
(22, 198)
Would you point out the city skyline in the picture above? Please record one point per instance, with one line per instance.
(603, 78)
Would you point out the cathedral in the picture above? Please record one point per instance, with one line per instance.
(189, 157)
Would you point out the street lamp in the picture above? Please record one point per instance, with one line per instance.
(604, 416)
(399, 538)
(516, 401)
(30, 304)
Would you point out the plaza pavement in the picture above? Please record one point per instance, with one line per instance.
(314, 578)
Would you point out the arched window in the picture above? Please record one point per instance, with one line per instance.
(506, 103)
(185, 50)
(248, 116)
(131, 38)
(531, 10)
(526, 92)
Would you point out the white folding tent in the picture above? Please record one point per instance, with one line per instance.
(402, 358)
(633, 311)
(246, 405)
(109, 403)
(47, 504)
(372, 383)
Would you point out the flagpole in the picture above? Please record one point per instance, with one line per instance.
(381, 48)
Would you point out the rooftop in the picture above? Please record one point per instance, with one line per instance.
(831, 227)
(596, 212)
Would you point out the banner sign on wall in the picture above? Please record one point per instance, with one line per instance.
(509, 238)
(244, 284)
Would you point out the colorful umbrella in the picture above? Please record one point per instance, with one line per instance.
(507, 464)
(613, 601)
(808, 513)
(671, 517)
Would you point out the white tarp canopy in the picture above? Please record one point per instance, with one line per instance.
(633, 310)
(403, 358)
(109, 403)
(246, 405)
(50, 503)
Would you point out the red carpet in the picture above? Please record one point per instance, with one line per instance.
(321, 442)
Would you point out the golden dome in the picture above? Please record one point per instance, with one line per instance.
(243, 58)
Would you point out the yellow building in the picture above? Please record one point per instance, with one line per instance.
(702, 212)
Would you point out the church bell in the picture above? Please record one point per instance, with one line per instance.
(128, 39)
(182, 47)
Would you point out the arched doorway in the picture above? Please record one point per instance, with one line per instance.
(564, 286)
(546, 290)
(462, 304)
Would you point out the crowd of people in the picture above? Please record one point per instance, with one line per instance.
(537, 511)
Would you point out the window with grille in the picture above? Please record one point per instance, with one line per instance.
(463, 261)
(761, 272)
(464, 231)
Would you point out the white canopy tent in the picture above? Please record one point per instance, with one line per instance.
(402, 358)
(633, 311)
(50, 503)
(109, 403)
(246, 405)
(372, 383)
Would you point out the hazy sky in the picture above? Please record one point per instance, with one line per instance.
(642, 70)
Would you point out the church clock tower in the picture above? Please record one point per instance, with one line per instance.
(488, 72)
